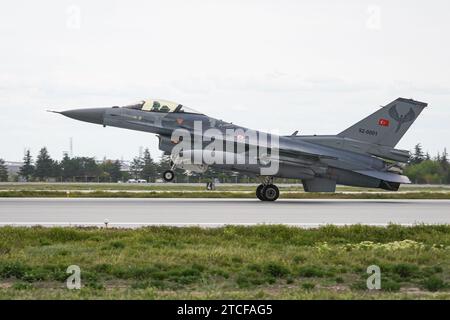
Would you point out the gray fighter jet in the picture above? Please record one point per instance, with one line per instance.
(363, 155)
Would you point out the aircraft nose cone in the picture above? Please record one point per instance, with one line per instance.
(93, 115)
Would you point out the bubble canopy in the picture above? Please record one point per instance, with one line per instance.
(163, 106)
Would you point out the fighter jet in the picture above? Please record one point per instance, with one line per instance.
(362, 155)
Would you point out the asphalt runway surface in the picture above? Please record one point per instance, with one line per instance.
(218, 212)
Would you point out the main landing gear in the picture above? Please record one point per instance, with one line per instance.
(169, 175)
(267, 191)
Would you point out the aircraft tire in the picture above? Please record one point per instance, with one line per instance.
(271, 192)
(168, 176)
(259, 192)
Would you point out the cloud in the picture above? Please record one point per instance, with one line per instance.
(312, 66)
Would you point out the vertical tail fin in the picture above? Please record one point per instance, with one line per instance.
(387, 125)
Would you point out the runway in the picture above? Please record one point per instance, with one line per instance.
(218, 212)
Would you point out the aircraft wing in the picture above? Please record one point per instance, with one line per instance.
(287, 148)
(299, 153)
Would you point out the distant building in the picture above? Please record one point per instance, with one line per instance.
(13, 167)
(125, 166)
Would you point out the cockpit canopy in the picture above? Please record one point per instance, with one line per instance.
(159, 105)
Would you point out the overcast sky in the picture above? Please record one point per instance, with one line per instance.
(313, 66)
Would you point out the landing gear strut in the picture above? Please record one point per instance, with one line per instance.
(267, 191)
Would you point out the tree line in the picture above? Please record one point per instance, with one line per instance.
(87, 169)
(425, 169)
(421, 169)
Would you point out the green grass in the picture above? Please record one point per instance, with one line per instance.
(44, 186)
(267, 261)
(173, 190)
(219, 195)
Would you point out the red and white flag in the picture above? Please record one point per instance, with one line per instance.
(383, 122)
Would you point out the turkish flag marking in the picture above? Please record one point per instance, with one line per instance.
(383, 122)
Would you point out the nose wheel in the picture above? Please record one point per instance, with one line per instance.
(168, 175)
(269, 192)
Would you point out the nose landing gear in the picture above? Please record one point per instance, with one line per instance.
(168, 175)
(267, 191)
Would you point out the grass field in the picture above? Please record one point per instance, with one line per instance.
(43, 186)
(219, 194)
(171, 190)
(231, 262)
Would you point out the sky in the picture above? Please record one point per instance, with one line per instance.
(313, 66)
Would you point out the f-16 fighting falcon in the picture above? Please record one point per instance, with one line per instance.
(362, 155)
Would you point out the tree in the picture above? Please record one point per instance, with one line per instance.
(444, 159)
(112, 170)
(445, 166)
(438, 157)
(149, 169)
(68, 168)
(27, 170)
(44, 165)
(136, 167)
(116, 171)
(89, 167)
(425, 172)
(418, 155)
(56, 169)
(3, 171)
